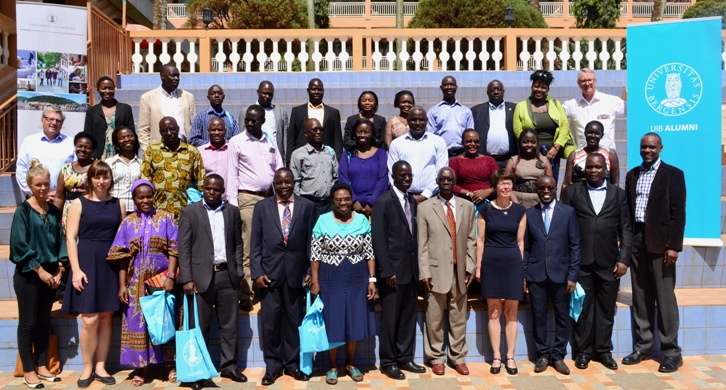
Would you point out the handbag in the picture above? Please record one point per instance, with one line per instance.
(313, 335)
(192, 357)
(158, 311)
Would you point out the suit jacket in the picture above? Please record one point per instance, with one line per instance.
(269, 255)
(601, 233)
(333, 136)
(436, 255)
(282, 122)
(480, 112)
(96, 123)
(554, 255)
(196, 246)
(394, 244)
(379, 127)
(150, 115)
(665, 214)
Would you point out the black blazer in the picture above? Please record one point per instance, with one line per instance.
(333, 136)
(394, 245)
(555, 254)
(269, 255)
(480, 112)
(96, 123)
(665, 214)
(600, 233)
(379, 126)
(196, 246)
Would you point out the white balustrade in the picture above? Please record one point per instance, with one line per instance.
(643, 10)
(383, 9)
(574, 53)
(346, 9)
(551, 9)
(176, 11)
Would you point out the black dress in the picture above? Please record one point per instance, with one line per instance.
(96, 231)
(502, 268)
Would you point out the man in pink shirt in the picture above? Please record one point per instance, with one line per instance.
(215, 154)
(253, 160)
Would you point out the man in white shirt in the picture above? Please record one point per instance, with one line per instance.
(593, 105)
(276, 119)
(53, 149)
(166, 100)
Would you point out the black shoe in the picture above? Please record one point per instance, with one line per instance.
(561, 367)
(393, 372)
(83, 383)
(298, 375)
(607, 360)
(635, 358)
(270, 378)
(106, 380)
(541, 364)
(670, 364)
(495, 370)
(511, 370)
(582, 361)
(412, 367)
(198, 385)
(235, 375)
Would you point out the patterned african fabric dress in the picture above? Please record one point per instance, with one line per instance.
(343, 251)
(74, 184)
(145, 240)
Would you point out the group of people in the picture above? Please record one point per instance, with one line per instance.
(425, 202)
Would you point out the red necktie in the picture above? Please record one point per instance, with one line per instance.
(452, 227)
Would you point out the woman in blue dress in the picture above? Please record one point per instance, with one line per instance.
(343, 274)
(500, 266)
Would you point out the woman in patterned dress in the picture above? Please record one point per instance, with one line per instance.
(343, 274)
(145, 245)
(72, 178)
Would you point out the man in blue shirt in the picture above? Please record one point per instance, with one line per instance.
(449, 118)
(198, 135)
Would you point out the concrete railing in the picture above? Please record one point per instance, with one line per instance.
(176, 11)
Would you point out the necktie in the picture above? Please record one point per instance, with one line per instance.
(407, 212)
(286, 219)
(452, 227)
(547, 218)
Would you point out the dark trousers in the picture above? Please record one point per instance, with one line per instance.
(397, 336)
(594, 328)
(35, 300)
(653, 285)
(281, 315)
(555, 162)
(222, 296)
(541, 294)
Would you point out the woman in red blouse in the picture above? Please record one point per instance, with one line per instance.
(473, 170)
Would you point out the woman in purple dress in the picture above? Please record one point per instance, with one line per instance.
(145, 246)
(364, 167)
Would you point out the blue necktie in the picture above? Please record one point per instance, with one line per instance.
(547, 218)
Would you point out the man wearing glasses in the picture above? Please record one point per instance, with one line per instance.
(52, 148)
(593, 105)
(253, 159)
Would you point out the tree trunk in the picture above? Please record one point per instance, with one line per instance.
(159, 22)
(658, 8)
(397, 64)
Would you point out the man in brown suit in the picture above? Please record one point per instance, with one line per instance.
(446, 247)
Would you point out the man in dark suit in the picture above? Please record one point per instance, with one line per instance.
(328, 116)
(604, 220)
(279, 260)
(657, 198)
(394, 243)
(210, 264)
(493, 121)
(551, 267)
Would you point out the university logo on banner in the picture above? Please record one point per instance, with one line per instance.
(673, 89)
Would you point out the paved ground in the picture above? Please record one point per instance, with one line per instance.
(698, 372)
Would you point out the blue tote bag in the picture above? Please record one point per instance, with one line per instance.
(192, 357)
(158, 311)
(313, 336)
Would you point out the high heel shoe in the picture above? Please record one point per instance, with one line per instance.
(38, 385)
(495, 370)
(511, 371)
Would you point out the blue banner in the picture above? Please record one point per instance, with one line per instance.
(674, 90)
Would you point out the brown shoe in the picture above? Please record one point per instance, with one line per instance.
(462, 369)
(438, 369)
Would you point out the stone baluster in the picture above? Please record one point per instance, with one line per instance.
(275, 55)
(417, 55)
(192, 57)
(376, 55)
(234, 56)
(317, 56)
(471, 56)
(577, 55)
(591, 55)
(551, 55)
(220, 57)
(248, 57)
(391, 55)
(497, 55)
(330, 56)
(430, 54)
(618, 53)
(524, 54)
(165, 58)
(261, 56)
(565, 53)
(604, 56)
(538, 55)
(444, 56)
(344, 56)
(458, 55)
(137, 58)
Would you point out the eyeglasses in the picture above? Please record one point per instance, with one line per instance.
(341, 200)
(53, 120)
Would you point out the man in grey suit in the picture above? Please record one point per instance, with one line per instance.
(276, 118)
(446, 247)
(210, 264)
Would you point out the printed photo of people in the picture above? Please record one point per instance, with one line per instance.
(51, 72)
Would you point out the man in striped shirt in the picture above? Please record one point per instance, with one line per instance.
(198, 134)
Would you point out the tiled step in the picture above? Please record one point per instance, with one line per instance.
(702, 331)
